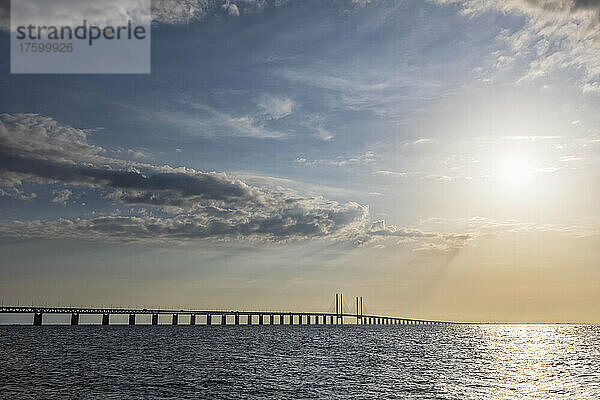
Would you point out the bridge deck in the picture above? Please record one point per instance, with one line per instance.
(365, 318)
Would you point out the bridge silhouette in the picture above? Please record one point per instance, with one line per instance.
(221, 316)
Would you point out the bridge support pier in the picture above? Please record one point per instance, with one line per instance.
(299, 319)
(249, 321)
(281, 319)
(260, 319)
(74, 319)
(291, 319)
(175, 319)
(154, 319)
(192, 319)
(271, 319)
(236, 319)
(208, 319)
(37, 319)
(131, 319)
(223, 319)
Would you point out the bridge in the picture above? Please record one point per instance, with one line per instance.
(227, 317)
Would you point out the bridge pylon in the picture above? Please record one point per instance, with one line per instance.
(339, 309)
(359, 310)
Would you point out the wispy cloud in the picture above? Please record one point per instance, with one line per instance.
(368, 157)
(393, 174)
(558, 35)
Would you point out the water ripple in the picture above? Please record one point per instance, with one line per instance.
(301, 362)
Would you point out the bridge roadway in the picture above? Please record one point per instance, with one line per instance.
(274, 317)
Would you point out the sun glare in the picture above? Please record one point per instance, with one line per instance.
(516, 171)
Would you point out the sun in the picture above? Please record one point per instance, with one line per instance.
(516, 171)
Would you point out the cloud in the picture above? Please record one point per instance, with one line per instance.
(558, 35)
(392, 174)
(441, 242)
(172, 12)
(62, 196)
(323, 220)
(231, 9)
(361, 159)
(276, 108)
(207, 204)
(186, 11)
(74, 12)
(356, 89)
(200, 119)
(316, 124)
(379, 228)
(422, 140)
(16, 193)
(42, 137)
(476, 227)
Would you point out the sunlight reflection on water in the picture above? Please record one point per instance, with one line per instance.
(542, 361)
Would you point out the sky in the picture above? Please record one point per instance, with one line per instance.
(439, 158)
